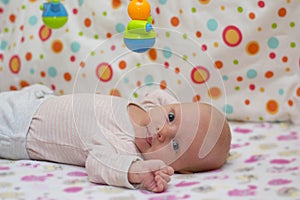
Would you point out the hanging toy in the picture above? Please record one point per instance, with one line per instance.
(54, 14)
(139, 35)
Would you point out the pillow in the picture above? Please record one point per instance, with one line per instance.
(241, 57)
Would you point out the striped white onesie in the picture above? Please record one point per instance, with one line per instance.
(89, 130)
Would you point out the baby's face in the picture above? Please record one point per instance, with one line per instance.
(186, 137)
(171, 133)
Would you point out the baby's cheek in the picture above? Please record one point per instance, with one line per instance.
(165, 154)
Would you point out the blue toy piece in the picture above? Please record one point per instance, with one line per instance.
(54, 14)
(139, 35)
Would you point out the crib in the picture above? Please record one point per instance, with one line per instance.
(240, 56)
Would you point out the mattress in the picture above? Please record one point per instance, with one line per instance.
(264, 163)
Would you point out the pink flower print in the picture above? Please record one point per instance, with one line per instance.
(282, 161)
(292, 136)
(77, 174)
(185, 184)
(255, 158)
(73, 189)
(34, 178)
(235, 146)
(4, 168)
(29, 164)
(279, 181)
(242, 130)
(250, 191)
(170, 197)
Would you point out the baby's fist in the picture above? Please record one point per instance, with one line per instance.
(152, 175)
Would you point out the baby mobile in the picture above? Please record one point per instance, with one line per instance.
(139, 35)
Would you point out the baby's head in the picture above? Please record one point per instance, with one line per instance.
(190, 137)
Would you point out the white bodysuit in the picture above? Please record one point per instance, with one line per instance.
(89, 130)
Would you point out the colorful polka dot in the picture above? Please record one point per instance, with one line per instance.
(120, 28)
(15, 64)
(272, 107)
(87, 22)
(115, 92)
(252, 73)
(149, 80)
(252, 15)
(122, 64)
(273, 43)
(67, 76)
(175, 21)
(204, 2)
(261, 4)
(33, 20)
(215, 93)
(200, 75)
(163, 2)
(28, 56)
(52, 72)
(219, 64)
(152, 54)
(104, 72)
(228, 109)
(212, 24)
(45, 33)
(232, 36)
(282, 12)
(57, 46)
(269, 74)
(75, 47)
(167, 52)
(116, 4)
(12, 18)
(252, 48)
(163, 85)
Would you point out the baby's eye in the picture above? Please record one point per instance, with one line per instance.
(171, 116)
(175, 145)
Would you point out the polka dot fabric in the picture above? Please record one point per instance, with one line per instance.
(241, 56)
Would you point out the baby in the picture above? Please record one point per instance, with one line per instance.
(119, 142)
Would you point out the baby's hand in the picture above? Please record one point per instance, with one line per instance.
(152, 175)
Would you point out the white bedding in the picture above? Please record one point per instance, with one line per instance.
(264, 164)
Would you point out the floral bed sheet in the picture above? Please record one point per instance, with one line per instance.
(264, 163)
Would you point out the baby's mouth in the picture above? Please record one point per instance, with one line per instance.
(148, 138)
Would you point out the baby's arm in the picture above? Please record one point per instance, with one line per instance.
(152, 175)
(157, 98)
(105, 166)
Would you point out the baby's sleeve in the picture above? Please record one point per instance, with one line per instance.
(109, 168)
(156, 98)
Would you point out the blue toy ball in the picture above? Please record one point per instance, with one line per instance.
(139, 45)
(54, 14)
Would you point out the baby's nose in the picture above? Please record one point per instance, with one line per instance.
(157, 120)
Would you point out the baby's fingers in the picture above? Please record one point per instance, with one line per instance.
(167, 170)
(164, 176)
(161, 184)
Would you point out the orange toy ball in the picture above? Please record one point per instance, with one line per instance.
(139, 9)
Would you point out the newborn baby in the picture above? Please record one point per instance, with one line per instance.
(119, 142)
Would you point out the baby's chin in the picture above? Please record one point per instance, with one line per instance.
(168, 160)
